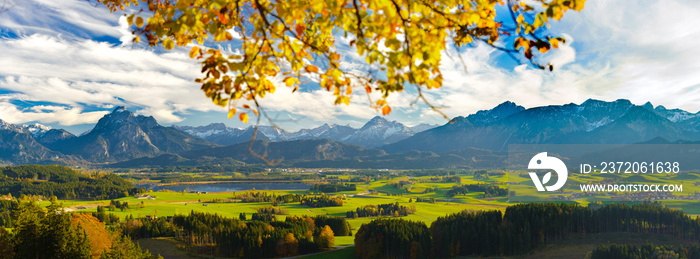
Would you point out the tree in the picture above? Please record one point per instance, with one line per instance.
(326, 238)
(288, 246)
(402, 41)
(6, 249)
(48, 234)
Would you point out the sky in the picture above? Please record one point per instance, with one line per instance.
(67, 63)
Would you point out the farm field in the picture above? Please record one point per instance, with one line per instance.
(433, 193)
(167, 203)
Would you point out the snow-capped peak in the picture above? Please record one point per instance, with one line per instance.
(36, 129)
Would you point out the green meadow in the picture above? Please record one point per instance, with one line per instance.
(404, 190)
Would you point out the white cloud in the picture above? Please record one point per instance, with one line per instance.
(73, 73)
(48, 114)
(69, 18)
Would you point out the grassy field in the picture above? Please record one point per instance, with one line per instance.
(401, 190)
(384, 191)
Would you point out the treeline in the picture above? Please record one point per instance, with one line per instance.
(272, 210)
(56, 234)
(389, 209)
(334, 187)
(255, 174)
(393, 238)
(445, 179)
(230, 237)
(490, 190)
(321, 201)
(62, 182)
(315, 201)
(339, 225)
(248, 197)
(628, 251)
(526, 226)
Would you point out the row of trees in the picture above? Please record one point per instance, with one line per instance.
(315, 201)
(389, 209)
(393, 238)
(526, 226)
(490, 190)
(230, 237)
(322, 201)
(248, 197)
(334, 187)
(272, 210)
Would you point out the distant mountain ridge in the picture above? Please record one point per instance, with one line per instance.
(376, 132)
(591, 122)
(122, 135)
(17, 145)
(479, 139)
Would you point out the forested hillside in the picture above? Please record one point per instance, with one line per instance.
(62, 182)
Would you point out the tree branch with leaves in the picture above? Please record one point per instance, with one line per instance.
(402, 41)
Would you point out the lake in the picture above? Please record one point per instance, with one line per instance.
(226, 187)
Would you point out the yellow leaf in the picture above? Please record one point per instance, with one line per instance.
(139, 22)
(381, 102)
(168, 43)
(554, 42)
(194, 51)
(243, 117)
(311, 69)
(289, 81)
(386, 110)
(231, 112)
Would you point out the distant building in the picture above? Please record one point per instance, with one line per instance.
(145, 196)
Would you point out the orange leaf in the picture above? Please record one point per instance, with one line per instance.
(311, 69)
(299, 28)
(256, 112)
(223, 18)
(386, 110)
(245, 106)
(139, 22)
(348, 91)
(243, 117)
(231, 112)
(368, 89)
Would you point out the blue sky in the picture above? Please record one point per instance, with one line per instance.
(67, 63)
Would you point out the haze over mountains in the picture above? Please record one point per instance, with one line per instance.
(478, 139)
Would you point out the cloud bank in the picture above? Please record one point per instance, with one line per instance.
(69, 62)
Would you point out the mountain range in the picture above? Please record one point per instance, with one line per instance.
(377, 132)
(591, 122)
(122, 135)
(124, 139)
